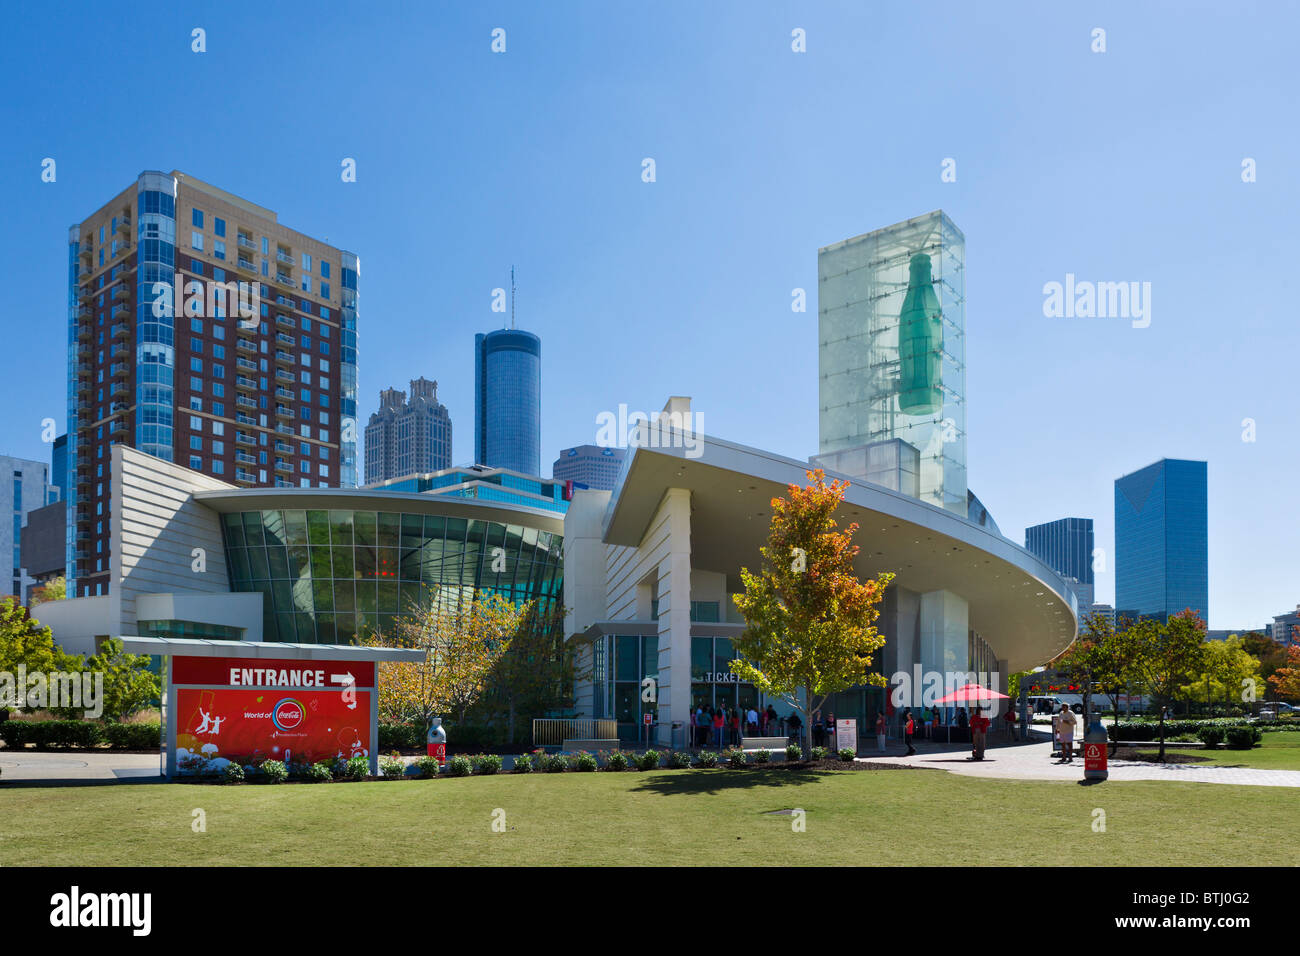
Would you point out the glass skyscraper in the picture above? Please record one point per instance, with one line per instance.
(892, 349)
(1162, 540)
(508, 400)
(1066, 545)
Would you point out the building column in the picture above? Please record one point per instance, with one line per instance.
(675, 617)
(945, 633)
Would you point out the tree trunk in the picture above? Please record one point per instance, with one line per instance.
(1114, 744)
(1162, 733)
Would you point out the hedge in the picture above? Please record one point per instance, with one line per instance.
(1141, 731)
(471, 737)
(48, 734)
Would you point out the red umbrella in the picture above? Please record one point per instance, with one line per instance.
(971, 692)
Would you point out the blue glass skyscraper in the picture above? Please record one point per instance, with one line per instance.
(1066, 545)
(508, 400)
(1162, 540)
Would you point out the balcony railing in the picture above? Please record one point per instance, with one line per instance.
(244, 345)
(244, 242)
(241, 475)
(243, 401)
(283, 376)
(244, 458)
(284, 337)
(246, 265)
(245, 439)
(282, 392)
(245, 419)
(283, 411)
(121, 291)
(121, 330)
(284, 357)
(283, 257)
(249, 364)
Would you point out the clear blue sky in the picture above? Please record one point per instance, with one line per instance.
(1123, 165)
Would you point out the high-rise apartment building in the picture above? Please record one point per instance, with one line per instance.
(508, 400)
(1066, 545)
(408, 436)
(203, 331)
(25, 489)
(892, 357)
(1162, 540)
(595, 466)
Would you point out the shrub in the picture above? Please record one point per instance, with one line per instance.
(274, 771)
(555, 763)
(392, 767)
(1211, 736)
(357, 768)
(762, 756)
(486, 764)
(1243, 738)
(524, 763)
(585, 762)
(233, 773)
(679, 760)
(45, 734)
(648, 760)
(847, 754)
(141, 736)
(401, 737)
(192, 763)
(793, 753)
(706, 758)
(736, 759)
(616, 760)
(460, 766)
(318, 773)
(819, 753)
(428, 767)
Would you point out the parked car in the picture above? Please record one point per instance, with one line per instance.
(1277, 708)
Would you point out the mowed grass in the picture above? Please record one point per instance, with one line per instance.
(1276, 751)
(661, 818)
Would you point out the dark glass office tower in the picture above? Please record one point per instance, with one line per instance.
(508, 400)
(1162, 540)
(1066, 545)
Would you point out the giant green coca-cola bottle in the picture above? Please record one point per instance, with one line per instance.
(920, 342)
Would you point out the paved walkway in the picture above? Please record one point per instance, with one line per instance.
(1033, 761)
(74, 767)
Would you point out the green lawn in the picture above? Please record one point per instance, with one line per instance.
(661, 818)
(1277, 751)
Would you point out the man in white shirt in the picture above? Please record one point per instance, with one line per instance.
(1067, 726)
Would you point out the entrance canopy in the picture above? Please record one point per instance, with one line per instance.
(198, 647)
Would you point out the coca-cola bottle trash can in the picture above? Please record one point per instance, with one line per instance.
(437, 742)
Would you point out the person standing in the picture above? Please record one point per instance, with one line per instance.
(882, 730)
(1067, 733)
(909, 728)
(1009, 718)
(979, 729)
(717, 728)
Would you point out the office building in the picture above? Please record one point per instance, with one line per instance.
(892, 358)
(508, 400)
(26, 489)
(44, 543)
(1067, 545)
(202, 331)
(408, 436)
(59, 467)
(485, 484)
(1162, 540)
(1283, 629)
(592, 466)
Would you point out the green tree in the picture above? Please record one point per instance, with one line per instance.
(1166, 655)
(809, 621)
(536, 675)
(1227, 669)
(1271, 655)
(129, 685)
(54, 590)
(23, 640)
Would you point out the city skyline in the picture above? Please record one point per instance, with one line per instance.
(695, 295)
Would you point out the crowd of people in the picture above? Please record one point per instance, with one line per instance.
(725, 726)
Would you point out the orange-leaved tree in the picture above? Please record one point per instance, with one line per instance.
(809, 621)
(1286, 682)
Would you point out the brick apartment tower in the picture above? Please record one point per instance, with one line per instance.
(261, 400)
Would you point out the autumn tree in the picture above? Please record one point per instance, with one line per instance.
(809, 621)
(53, 590)
(1226, 671)
(1286, 682)
(462, 644)
(1165, 655)
(537, 673)
(1270, 653)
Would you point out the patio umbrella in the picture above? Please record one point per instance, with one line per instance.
(969, 693)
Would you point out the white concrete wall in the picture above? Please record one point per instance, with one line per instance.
(584, 561)
(156, 525)
(76, 622)
(240, 609)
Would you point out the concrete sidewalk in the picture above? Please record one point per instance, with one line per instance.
(1033, 761)
(74, 766)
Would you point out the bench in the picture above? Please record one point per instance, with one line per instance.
(750, 744)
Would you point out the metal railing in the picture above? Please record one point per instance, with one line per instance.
(554, 731)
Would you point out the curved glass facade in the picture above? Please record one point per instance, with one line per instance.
(155, 358)
(328, 576)
(508, 400)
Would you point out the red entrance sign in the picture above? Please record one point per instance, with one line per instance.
(272, 672)
(253, 725)
(1094, 757)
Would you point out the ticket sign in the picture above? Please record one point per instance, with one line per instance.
(252, 725)
(846, 734)
(272, 672)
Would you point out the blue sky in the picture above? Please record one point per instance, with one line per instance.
(1115, 166)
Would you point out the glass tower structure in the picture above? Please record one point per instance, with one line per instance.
(892, 348)
(508, 400)
(1066, 545)
(1162, 540)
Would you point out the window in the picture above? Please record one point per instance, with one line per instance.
(196, 443)
(266, 249)
(324, 470)
(265, 269)
(218, 371)
(196, 423)
(219, 274)
(324, 269)
(324, 294)
(196, 325)
(196, 240)
(306, 283)
(306, 262)
(196, 266)
(218, 447)
(196, 404)
(218, 226)
(218, 332)
(218, 408)
(196, 345)
(218, 248)
(218, 467)
(196, 364)
(196, 218)
(196, 462)
(305, 377)
(218, 351)
(324, 365)
(218, 390)
(324, 417)
(218, 428)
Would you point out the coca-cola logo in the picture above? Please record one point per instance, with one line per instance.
(287, 714)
